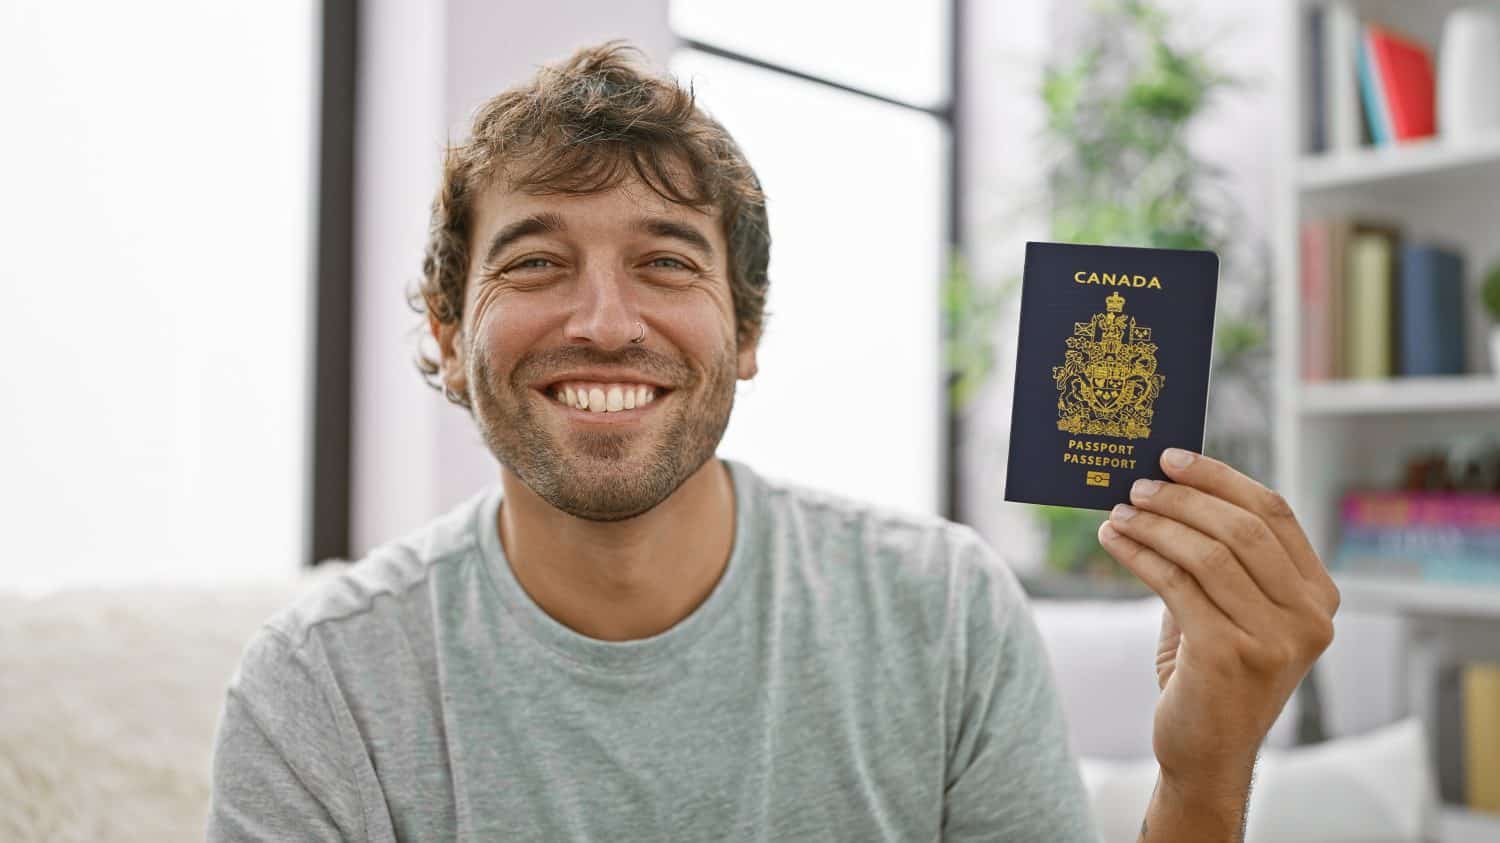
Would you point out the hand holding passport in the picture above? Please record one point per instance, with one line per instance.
(1111, 393)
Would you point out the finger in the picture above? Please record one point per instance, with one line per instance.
(1219, 572)
(1222, 481)
(1197, 616)
(1167, 645)
(1242, 532)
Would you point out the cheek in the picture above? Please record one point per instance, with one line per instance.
(503, 332)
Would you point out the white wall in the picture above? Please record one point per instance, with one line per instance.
(398, 149)
(157, 164)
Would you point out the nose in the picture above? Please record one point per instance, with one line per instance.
(606, 311)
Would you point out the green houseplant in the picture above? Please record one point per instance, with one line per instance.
(1489, 295)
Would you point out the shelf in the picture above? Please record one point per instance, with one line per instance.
(1452, 393)
(1364, 593)
(1369, 165)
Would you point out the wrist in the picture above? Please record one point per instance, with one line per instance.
(1223, 779)
(1198, 806)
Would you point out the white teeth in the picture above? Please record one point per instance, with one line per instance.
(599, 399)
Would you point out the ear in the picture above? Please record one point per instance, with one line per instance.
(450, 342)
(747, 364)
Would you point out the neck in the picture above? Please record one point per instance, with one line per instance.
(621, 580)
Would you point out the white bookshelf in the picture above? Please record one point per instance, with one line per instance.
(1457, 393)
(1369, 166)
(1333, 437)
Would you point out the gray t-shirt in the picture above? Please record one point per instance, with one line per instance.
(855, 674)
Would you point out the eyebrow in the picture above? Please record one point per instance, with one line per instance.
(548, 222)
(535, 224)
(662, 227)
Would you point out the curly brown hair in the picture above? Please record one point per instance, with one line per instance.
(574, 128)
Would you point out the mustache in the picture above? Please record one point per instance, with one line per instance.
(536, 367)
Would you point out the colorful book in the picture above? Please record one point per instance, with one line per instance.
(1317, 345)
(1372, 92)
(1314, 102)
(1482, 736)
(1451, 536)
(1341, 85)
(1368, 306)
(1324, 247)
(1430, 311)
(1404, 509)
(1339, 232)
(1404, 70)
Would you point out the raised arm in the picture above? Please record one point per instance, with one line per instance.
(1249, 608)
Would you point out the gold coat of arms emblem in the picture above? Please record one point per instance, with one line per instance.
(1108, 379)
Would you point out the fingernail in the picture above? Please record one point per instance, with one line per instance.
(1107, 533)
(1178, 458)
(1122, 512)
(1144, 488)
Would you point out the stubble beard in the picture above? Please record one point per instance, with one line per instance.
(604, 475)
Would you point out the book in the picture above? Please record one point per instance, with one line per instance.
(1373, 92)
(1316, 284)
(1341, 85)
(1368, 307)
(1451, 536)
(1405, 509)
(1403, 71)
(1314, 103)
(1112, 368)
(1339, 232)
(1430, 310)
(1481, 707)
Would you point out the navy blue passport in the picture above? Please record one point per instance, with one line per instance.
(1111, 369)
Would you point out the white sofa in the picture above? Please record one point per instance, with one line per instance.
(109, 700)
(1376, 787)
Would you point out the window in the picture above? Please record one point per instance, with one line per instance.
(850, 394)
(157, 169)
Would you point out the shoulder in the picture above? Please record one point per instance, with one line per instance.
(346, 593)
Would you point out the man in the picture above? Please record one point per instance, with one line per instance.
(630, 639)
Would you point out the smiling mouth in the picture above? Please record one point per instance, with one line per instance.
(602, 406)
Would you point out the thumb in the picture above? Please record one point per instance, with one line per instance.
(1166, 648)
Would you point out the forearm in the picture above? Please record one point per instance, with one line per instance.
(1212, 812)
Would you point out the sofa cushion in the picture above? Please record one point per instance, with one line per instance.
(109, 699)
(1372, 788)
(1104, 655)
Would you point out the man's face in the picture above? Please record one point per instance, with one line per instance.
(545, 301)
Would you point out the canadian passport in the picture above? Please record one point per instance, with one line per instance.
(1111, 369)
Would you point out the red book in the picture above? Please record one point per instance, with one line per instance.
(1317, 340)
(1405, 72)
(1473, 511)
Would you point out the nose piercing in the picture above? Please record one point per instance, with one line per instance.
(642, 337)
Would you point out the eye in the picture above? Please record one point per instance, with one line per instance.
(679, 264)
(523, 264)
